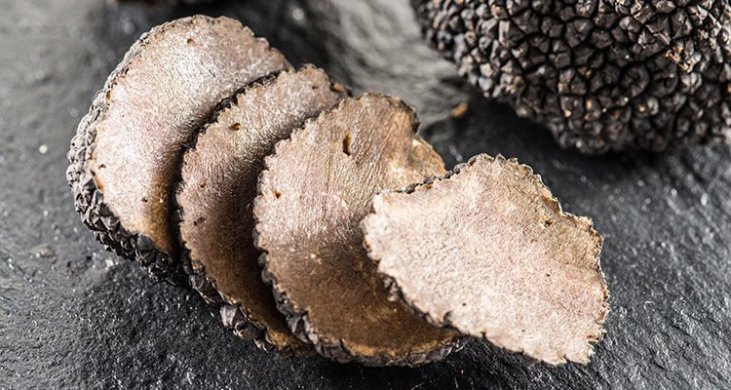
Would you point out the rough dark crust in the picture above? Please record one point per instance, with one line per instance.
(598, 80)
(372, 229)
(298, 317)
(89, 200)
(235, 316)
(682, 25)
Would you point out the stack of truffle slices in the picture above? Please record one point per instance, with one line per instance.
(318, 221)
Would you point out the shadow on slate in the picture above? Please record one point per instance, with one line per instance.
(75, 316)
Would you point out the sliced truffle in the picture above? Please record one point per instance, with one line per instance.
(218, 189)
(127, 150)
(315, 190)
(488, 251)
(601, 75)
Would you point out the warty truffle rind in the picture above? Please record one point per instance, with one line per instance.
(597, 79)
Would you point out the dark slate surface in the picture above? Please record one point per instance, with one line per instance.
(74, 316)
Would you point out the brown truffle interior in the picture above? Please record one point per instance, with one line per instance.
(219, 186)
(316, 189)
(490, 252)
(168, 87)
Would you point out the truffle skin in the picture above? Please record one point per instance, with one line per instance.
(489, 252)
(598, 79)
(126, 153)
(313, 193)
(682, 25)
(218, 190)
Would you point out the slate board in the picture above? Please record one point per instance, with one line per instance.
(75, 316)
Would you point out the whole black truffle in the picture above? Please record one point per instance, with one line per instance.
(601, 74)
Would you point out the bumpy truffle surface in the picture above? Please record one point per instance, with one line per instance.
(127, 149)
(679, 25)
(313, 193)
(600, 74)
(489, 252)
(219, 184)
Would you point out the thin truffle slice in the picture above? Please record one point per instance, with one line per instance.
(489, 251)
(315, 190)
(218, 190)
(127, 150)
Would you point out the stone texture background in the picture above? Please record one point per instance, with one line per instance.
(75, 316)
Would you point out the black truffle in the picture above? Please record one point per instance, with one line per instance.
(219, 184)
(679, 25)
(127, 150)
(488, 251)
(600, 74)
(313, 193)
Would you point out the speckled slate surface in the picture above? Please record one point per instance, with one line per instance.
(74, 316)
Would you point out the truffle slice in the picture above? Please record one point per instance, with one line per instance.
(313, 193)
(127, 150)
(218, 189)
(489, 251)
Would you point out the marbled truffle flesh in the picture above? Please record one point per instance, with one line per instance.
(313, 193)
(127, 151)
(219, 184)
(489, 252)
